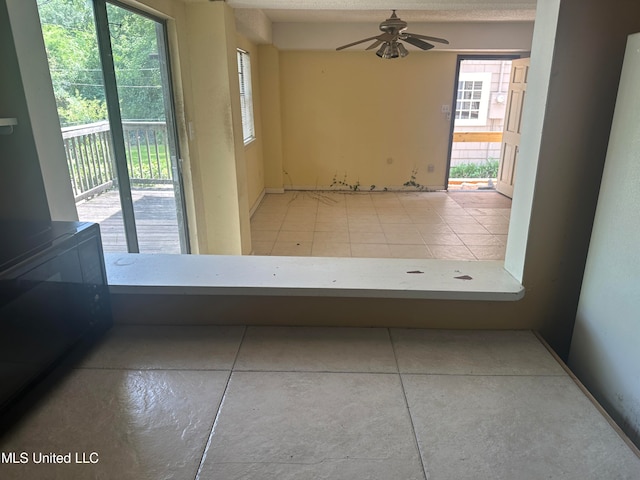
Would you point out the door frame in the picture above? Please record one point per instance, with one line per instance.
(452, 123)
(115, 123)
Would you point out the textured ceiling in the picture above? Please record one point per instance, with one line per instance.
(376, 16)
(285, 11)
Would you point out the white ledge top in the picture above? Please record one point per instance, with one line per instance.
(161, 274)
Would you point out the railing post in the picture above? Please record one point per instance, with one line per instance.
(90, 162)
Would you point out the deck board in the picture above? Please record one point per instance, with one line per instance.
(156, 220)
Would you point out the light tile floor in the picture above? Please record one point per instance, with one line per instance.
(308, 403)
(454, 225)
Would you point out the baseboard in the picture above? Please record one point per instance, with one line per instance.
(256, 204)
(365, 189)
(618, 429)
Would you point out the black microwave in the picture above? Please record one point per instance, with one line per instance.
(53, 298)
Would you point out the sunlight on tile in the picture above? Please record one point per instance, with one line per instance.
(441, 225)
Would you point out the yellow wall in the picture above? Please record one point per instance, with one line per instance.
(253, 151)
(217, 128)
(203, 44)
(271, 116)
(349, 112)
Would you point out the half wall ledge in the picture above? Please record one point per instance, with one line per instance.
(163, 274)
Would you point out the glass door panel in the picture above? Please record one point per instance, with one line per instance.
(138, 44)
(69, 33)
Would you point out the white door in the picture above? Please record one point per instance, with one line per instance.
(512, 125)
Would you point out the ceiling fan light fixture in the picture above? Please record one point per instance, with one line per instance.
(402, 51)
(392, 51)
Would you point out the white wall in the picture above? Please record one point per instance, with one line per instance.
(605, 351)
(34, 71)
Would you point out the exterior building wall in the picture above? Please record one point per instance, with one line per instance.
(474, 152)
(479, 152)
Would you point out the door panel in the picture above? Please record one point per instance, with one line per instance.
(140, 62)
(512, 127)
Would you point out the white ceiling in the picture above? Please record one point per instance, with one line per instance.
(367, 11)
(496, 26)
(415, 16)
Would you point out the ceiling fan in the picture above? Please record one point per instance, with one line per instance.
(394, 29)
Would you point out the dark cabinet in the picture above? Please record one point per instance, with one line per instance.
(53, 298)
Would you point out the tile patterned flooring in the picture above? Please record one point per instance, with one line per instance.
(311, 403)
(454, 225)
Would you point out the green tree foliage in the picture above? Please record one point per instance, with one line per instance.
(135, 56)
(76, 110)
(69, 35)
(70, 38)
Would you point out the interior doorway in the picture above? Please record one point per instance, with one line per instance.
(477, 121)
(110, 69)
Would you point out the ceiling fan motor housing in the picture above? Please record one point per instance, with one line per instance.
(393, 25)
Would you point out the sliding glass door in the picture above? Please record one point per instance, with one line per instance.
(121, 145)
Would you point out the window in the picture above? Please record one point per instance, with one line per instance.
(473, 98)
(246, 100)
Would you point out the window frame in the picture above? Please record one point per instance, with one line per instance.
(483, 108)
(246, 96)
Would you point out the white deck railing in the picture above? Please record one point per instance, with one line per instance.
(88, 149)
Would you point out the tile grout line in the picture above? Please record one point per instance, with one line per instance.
(217, 415)
(319, 372)
(406, 404)
(498, 375)
(155, 369)
(443, 217)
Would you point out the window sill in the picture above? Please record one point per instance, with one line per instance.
(310, 276)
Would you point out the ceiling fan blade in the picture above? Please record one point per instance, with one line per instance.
(425, 37)
(375, 44)
(418, 43)
(356, 43)
(387, 37)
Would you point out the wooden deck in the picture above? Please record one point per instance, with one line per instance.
(155, 214)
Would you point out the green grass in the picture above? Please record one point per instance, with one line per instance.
(152, 172)
(488, 169)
